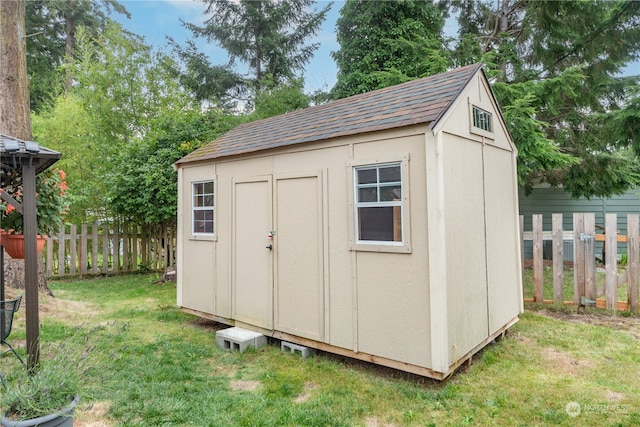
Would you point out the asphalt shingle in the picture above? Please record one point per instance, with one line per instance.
(415, 102)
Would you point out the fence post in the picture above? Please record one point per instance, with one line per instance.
(94, 248)
(558, 259)
(611, 260)
(590, 256)
(62, 265)
(125, 246)
(522, 250)
(538, 265)
(82, 262)
(578, 257)
(49, 256)
(633, 230)
(134, 248)
(72, 250)
(105, 248)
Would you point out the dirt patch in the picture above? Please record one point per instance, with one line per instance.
(208, 324)
(564, 362)
(92, 416)
(613, 396)
(630, 324)
(243, 385)
(374, 422)
(306, 393)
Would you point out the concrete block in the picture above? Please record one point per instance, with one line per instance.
(238, 339)
(294, 348)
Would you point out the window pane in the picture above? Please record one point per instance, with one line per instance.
(390, 174)
(389, 193)
(367, 176)
(368, 194)
(481, 119)
(381, 224)
(203, 221)
(202, 207)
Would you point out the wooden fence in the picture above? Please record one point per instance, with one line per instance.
(582, 241)
(107, 248)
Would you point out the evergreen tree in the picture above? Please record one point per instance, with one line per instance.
(564, 60)
(386, 42)
(268, 35)
(51, 27)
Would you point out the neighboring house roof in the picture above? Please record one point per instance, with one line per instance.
(415, 102)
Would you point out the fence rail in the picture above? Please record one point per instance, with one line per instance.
(583, 237)
(106, 248)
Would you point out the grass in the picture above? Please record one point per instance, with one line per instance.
(154, 365)
(567, 289)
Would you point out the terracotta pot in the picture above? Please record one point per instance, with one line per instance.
(14, 244)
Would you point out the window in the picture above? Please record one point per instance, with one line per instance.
(203, 207)
(482, 119)
(378, 196)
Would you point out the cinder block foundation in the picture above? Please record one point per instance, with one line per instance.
(295, 348)
(238, 339)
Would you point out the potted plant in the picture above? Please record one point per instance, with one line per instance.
(51, 205)
(46, 398)
(48, 395)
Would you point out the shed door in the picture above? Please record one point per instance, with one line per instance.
(299, 279)
(280, 288)
(252, 260)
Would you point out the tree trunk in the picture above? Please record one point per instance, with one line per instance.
(15, 118)
(14, 273)
(68, 53)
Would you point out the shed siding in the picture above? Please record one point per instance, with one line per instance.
(392, 291)
(200, 294)
(502, 231)
(466, 257)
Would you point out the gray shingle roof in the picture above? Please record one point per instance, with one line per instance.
(42, 159)
(415, 102)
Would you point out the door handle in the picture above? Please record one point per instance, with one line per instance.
(270, 247)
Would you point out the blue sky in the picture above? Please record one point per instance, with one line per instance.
(155, 19)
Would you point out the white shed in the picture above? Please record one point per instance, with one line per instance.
(383, 226)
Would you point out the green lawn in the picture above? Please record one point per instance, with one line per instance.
(153, 365)
(547, 274)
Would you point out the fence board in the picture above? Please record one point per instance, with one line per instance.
(558, 259)
(61, 257)
(633, 230)
(73, 248)
(584, 238)
(538, 265)
(522, 250)
(590, 256)
(578, 253)
(123, 249)
(82, 256)
(94, 248)
(611, 263)
(105, 250)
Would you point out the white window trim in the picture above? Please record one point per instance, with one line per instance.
(199, 235)
(479, 131)
(355, 244)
